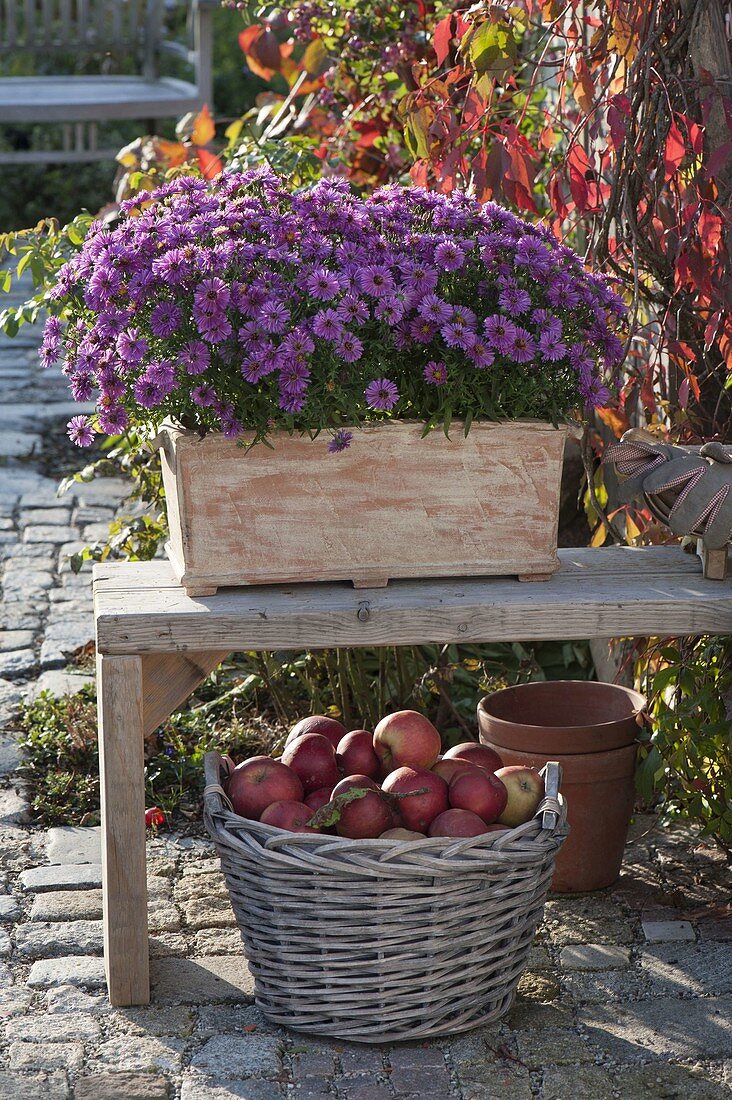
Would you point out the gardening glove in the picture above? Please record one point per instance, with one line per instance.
(636, 456)
(703, 506)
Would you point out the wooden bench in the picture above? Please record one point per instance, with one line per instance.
(155, 645)
(97, 35)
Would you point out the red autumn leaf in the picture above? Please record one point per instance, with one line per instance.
(210, 165)
(442, 38)
(709, 229)
(518, 185)
(579, 169)
(718, 161)
(674, 151)
(616, 420)
(618, 113)
(684, 393)
(203, 127)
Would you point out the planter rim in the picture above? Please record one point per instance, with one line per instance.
(635, 696)
(169, 427)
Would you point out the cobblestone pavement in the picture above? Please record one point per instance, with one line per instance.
(627, 994)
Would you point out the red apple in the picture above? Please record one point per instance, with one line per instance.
(312, 757)
(406, 739)
(355, 754)
(402, 834)
(258, 782)
(525, 791)
(417, 810)
(458, 823)
(365, 817)
(448, 769)
(289, 815)
(318, 723)
(475, 753)
(318, 798)
(479, 791)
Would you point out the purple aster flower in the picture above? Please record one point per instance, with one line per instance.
(80, 431)
(215, 328)
(514, 300)
(113, 419)
(194, 356)
(164, 319)
(340, 441)
(376, 281)
(274, 317)
(353, 310)
(449, 256)
(173, 267)
(581, 359)
(595, 393)
(522, 347)
(231, 427)
(561, 293)
(419, 278)
(322, 284)
(499, 332)
(534, 256)
(327, 324)
(349, 347)
(147, 393)
(48, 354)
(481, 354)
(131, 346)
(82, 386)
(204, 395)
(294, 377)
(212, 296)
(551, 346)
(435, 373)
(422, 331)
(381, 394)
(433, 308)
(457, 336)
(292, 402)
(298, 343)
(390, 310)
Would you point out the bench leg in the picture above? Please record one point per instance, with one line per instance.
(124, 882)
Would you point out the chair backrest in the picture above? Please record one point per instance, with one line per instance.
(80, 28)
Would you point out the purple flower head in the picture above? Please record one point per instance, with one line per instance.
(457, 336)
(449, 255)
(148, 394)
(376, 281)
(274, 316)
(205, 396)
(164, 319)
(514, 300)
(349, 347)
(194, 357)
(298, 343)
(435, 373)
(390, 310)
(534, 256)
(551, 346)
(594, 393)
(340, 441)
(381, 394)
(521, 348)
(82, 386)
(113, 419)
(49, 354)
(481, 354)
(561, 293)
(327, 324)
(322, 284)
(294, 377)
(212, 296)
(581, 359)
(422, 330)
(433, 308)
(80, 431)
(292, 402)
(499, 332)
(353, 310)
(131, 347)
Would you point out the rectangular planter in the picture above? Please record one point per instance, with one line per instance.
(391, 505)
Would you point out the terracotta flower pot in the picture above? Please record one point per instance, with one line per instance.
(591, 729)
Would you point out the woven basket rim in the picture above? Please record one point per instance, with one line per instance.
(549, 820)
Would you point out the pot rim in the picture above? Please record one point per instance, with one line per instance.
(637, 697)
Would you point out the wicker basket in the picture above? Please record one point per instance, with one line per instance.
(382, 940)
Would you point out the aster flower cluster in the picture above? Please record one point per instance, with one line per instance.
(240, 306)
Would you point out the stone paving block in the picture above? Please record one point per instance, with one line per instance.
(660, 931)
(201, 981)
(219, 1019)
(315, 1063)
(594, 956)
(587, 1082)
(59, 683)
(70, 999)
(366, 1088)
(43, 940)
(528, 1015)
(29, 586)
(715, 929)
(5, 945)
(361, 1060)
(684, 969)
(10, 910)
(604, 986)
(240, 1056)
(432, 1081)
(14, 809)
(18, 616)
(122, 1086)
(421, 1057)
(168, 944)
(669, 1083)
(18, 444)
(14, 1001)
(72, 876)
(552, 1046)
(209, 912)
(72, 844)
(152, 1020)
(82, 970)
(539, 986)
(197, 1087)
(9, 755)
(37, 1086)
(661, 1027)
(218, 941)
(58, 516)
(45, 496)
(46, 1056)
(67, 905)
(138, 1054)
(37, 1029)
(103, 490)
(49, 533)
(490, 1081)
(18, 662)
(16, 639)
(92, 513)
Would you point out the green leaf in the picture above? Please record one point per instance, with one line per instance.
(492, 49)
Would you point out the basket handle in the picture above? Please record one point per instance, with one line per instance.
(216, 768)
(549, 808)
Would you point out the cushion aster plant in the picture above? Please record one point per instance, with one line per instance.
(240, 306)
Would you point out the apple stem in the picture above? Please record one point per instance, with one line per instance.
(330, 814)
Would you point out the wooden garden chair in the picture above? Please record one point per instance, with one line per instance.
(59, 40)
